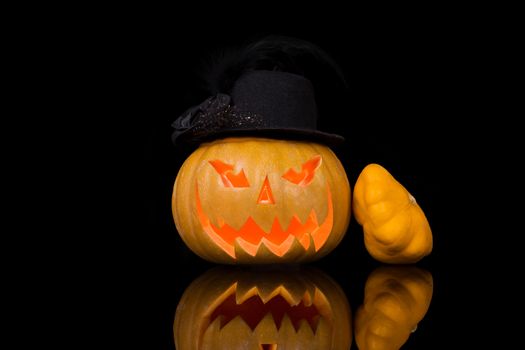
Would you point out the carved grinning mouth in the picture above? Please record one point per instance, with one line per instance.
(250, 236)
(253, 310)
(306, 311)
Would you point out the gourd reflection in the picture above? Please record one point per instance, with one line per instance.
(396, 299)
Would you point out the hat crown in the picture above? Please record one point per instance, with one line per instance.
(283, 100)
(271, 104)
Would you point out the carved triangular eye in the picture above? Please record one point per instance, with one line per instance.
(306, 176)
(229, 179)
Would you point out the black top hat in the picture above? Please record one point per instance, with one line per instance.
(263, 103)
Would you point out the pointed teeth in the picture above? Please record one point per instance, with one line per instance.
(311, 247)
(312, 218)
(242, 295)
(297, 253)
(309, 294)
(293, 299)
(237, 326)
(240, 253)
(287, 326)
(236, 333)
(321, 303)
(314, 322)
(211, 332)
(266, 325)
(250, 237)
(249, 248)
(245, 287)
(276, 226)
(322, 325)
(307, 299)
(267, 293)
(305, 241)
(304, 329)
(221, 222)
(279, 249)
(215, 326)
(265, 246)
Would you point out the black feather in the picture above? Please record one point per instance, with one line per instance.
(286, 54)
(277, 53)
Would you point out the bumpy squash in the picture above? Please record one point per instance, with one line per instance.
(395, 227)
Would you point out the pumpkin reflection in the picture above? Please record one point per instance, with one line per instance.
(230, 308)
(396, 299)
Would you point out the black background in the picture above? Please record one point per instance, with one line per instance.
(411, 80)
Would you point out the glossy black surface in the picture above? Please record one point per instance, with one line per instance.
(406, 78)
(395, 102)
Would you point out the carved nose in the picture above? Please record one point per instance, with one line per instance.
(266, 196)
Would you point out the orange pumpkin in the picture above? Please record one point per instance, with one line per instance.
(256, 200)
(229, 308)
(396, 299)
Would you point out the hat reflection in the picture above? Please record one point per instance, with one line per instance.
(233, 308)
(396, 299)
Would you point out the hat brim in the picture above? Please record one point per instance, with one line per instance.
(331, 140)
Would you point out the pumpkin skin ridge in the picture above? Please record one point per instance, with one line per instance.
(258, 157)
(198, 247)
(341, 170)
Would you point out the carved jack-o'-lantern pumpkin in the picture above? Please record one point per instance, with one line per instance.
(232, 309)
(255, 200)
(263, 186)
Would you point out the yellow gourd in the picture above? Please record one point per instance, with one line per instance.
(395, 227)
(396, 300)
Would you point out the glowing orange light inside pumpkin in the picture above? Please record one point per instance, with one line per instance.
(268, 346)
(266, 195)
(250, 236)
(306, 176)
(229, 179)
